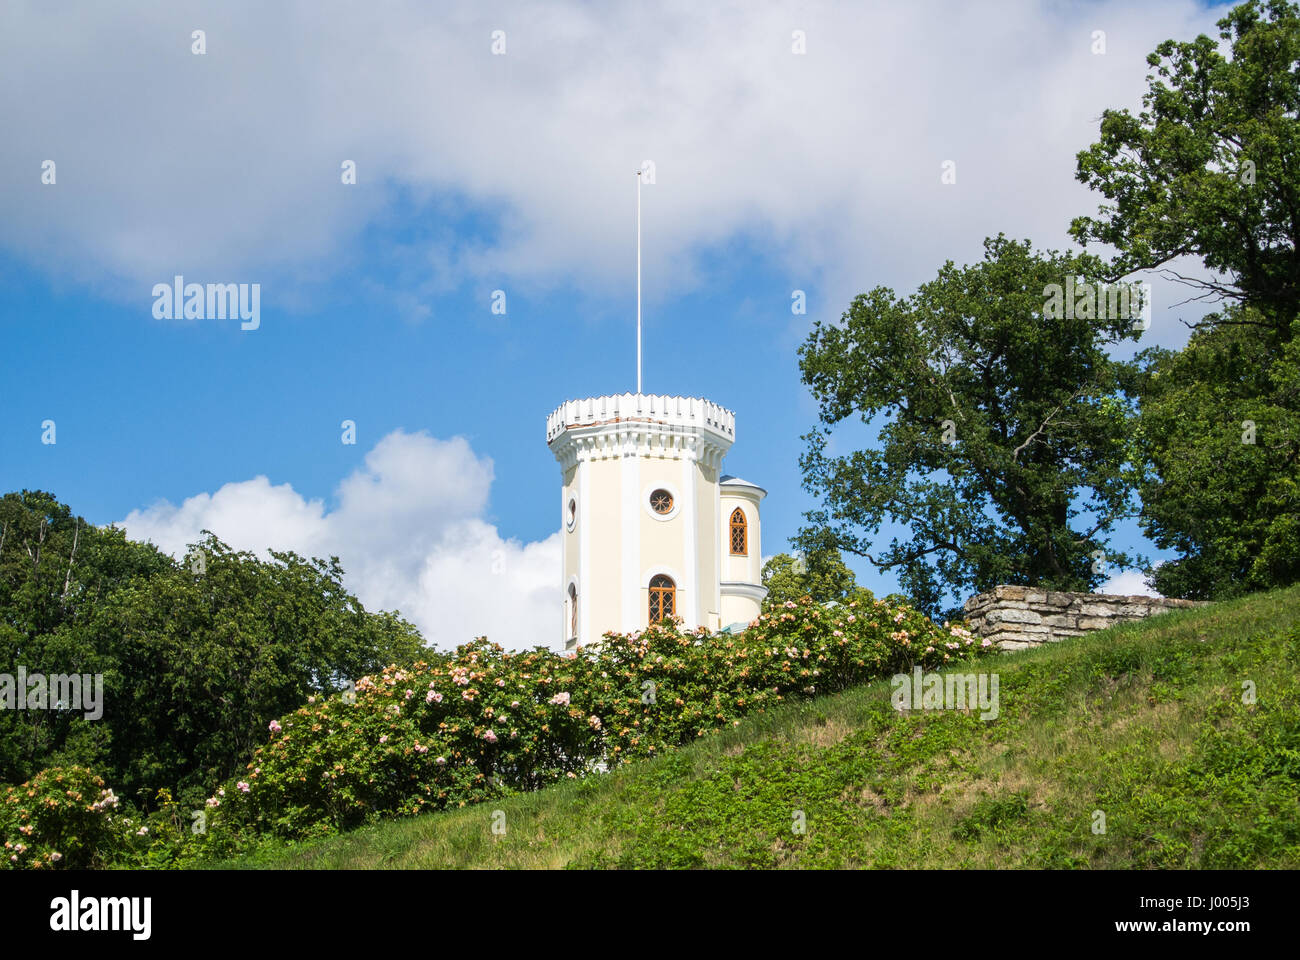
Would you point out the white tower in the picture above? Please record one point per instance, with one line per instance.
(650, 527)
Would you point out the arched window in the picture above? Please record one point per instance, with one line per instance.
(663, 598)
(739, 533)
(573, 611)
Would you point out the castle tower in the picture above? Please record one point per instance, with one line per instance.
(650, 526)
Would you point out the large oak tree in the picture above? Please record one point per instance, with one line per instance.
(1002, 444)
(1209, 169)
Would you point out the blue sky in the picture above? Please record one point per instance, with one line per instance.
(155, 409)
(477, 172)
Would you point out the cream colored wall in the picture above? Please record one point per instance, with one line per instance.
(707, 545)
(600, 530)
(572, 541)
(738, 610)
(663, 542)
(605, 543)
(571, 538)
(755, 516)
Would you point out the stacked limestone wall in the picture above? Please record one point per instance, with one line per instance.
(1018, 617)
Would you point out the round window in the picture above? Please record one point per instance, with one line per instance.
(661, 501)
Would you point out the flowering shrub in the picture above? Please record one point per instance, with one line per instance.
(663, 687)
(483, 722)
(419, 738)
(62, 817)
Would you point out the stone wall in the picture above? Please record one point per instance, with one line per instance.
(1019, 617)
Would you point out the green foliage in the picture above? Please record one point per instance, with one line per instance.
(485, 723)
(819, 573)
(1003, 447)
(56, 570)
(62, 817)
(238, 644)
(1211, 165)
(991, 813)
(1144, 722)
(1231, 508)
(414, 739)
(195, 657)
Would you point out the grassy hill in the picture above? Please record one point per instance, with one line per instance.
(1145, 723)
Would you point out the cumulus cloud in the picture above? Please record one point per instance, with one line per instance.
(408, 528)
(1128, 583)
(227, 165)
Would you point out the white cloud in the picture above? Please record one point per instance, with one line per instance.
(409, 531)
(226, 166)
(1128, 583)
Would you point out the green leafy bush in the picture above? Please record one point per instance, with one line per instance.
(484, 723)
(63, 817)
(481, 723)
(85, 600)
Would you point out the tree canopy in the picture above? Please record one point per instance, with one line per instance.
(1002, 443)
(1209, 169)
(819, 573)
(196, 656)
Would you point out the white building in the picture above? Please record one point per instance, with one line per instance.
(651, 526)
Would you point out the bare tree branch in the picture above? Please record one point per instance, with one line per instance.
(36, 557)
(1015, 454)
(67, 580)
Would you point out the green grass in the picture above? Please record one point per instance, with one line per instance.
(1145, 723)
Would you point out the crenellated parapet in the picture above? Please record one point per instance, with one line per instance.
(645, 426)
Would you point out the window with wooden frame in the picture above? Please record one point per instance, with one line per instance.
(663, 598)
(661, 501)
(573, 611)
(739, 533)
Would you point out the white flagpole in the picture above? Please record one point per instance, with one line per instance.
(638, 282)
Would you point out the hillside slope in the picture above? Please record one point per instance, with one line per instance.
(1144, 723)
